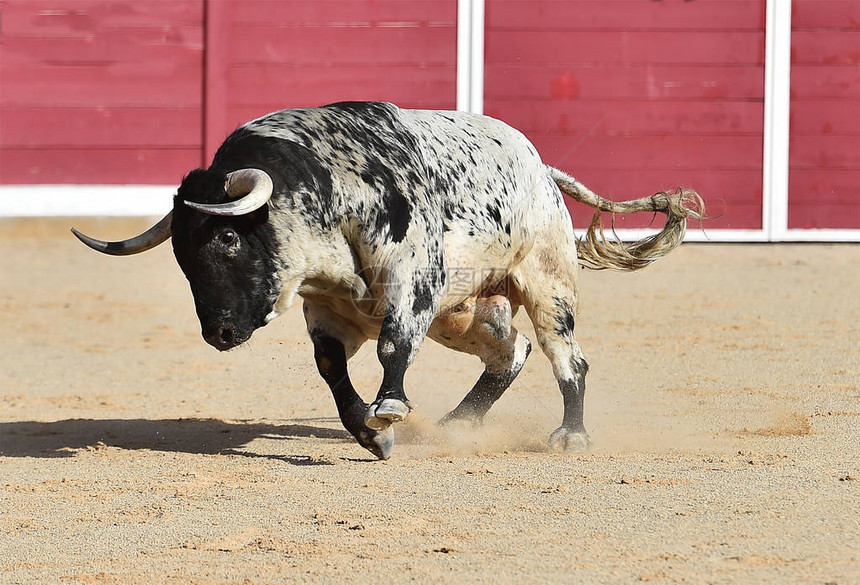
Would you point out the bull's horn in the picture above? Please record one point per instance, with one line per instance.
(149, 239)
(253, 187)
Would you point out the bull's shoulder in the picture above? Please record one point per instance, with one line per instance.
(366, 161)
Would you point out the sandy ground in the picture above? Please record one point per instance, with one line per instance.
(723, 401)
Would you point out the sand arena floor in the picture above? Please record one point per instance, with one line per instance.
(723, 401)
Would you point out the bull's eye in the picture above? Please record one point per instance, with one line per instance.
(228, 237)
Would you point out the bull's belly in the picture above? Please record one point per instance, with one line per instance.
(354, 317)
(475, 272)
(361, 315)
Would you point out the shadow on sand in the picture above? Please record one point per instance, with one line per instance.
(201, 436)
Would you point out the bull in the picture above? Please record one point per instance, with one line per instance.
(398, 225)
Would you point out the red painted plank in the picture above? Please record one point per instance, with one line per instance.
(579, 118)
(832, 82)
(824, 186)
(660, 152)
(174, 83)
(825, 47)
(832, 216)
(328, 46)
(624, 47)
(271, 87)
(825, 117)
(97, 166)
(613, 82)
(345, 12)
(821, 198)
(27, 127)
(110, 46)
(135, 46)
(824, 152)
(825, 14)
(626, 15)
(51, 18)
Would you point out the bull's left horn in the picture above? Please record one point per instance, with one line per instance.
(253, 187)
(149, 239)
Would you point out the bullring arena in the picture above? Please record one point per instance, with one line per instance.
(723, 404)
(723, 393)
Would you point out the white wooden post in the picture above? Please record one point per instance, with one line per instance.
(470, 56)
(777, 85)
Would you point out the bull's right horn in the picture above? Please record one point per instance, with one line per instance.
(149, 239)
(250, 189)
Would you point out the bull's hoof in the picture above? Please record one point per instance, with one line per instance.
(569, 440)
(387, 412)
(380, 443)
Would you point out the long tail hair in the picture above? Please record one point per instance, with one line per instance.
(598, 253)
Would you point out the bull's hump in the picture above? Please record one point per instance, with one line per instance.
(327, 125)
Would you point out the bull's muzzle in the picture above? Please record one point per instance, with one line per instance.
(223, 336)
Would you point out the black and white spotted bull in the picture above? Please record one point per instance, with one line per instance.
(397, 225)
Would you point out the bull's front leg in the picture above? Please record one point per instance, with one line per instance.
(335, 341)
(409, 311)
(395, 349)
(331, 362)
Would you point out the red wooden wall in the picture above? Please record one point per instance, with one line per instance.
(824, 149)
(143, 91)
(634, 96)
(630, 96)
(100, 92)
(273, 55)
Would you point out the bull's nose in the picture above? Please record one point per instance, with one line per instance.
(221, 337)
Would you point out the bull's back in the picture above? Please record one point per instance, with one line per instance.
(477, 169)
(493, 189)
(483, 179)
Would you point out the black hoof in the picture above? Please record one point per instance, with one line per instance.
(380, 443)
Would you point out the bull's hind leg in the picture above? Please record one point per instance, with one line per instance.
(483, 328)
(547, 280)
(334, 343)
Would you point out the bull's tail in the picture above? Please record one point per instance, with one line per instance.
(596, 252)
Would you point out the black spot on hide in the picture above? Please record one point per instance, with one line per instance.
(563, 318)
(423, 297)
(395, 212)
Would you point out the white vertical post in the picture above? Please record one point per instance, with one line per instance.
(777, 99)
(477, 53)
(470, 56)
(464, 60)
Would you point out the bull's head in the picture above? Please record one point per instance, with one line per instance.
(226, 247)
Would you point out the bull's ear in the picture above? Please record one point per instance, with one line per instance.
(249, 189)
(149, 239)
